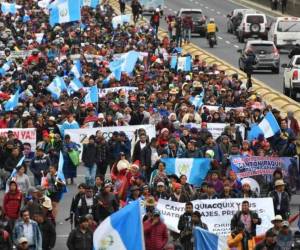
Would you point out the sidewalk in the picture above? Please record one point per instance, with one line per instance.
(266, 8)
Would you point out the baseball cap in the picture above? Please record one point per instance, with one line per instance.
(22, 240)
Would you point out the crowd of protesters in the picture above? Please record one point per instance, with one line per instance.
(120, 170)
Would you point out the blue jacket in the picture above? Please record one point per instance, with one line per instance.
(18, 232)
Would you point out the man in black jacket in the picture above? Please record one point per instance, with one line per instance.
(47, 230)
(81, 238)
(89, 158)
(138, 147)
(39, 163)
(249, 218)
(149, 156)
(185, 225)
(281, 200)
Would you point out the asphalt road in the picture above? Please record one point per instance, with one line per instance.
(227, 43)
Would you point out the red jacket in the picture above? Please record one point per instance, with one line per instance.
(294, 126)
(156, 236)
(12, 204)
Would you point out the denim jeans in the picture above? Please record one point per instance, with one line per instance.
(90, 174)
(187, 34)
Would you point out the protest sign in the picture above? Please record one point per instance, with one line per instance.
(80, 136)
(257, 165)
(217, 213)
(104, 92)
(23, 134)
(216, 129)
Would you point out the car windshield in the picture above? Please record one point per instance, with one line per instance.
(194, 14)
(297, 62)
(289, 26)
(255, 19)
(262, 48)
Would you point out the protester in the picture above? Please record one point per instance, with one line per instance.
(270, 242)
(12, 201)
(185, 226)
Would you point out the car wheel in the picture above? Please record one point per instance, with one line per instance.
(255, 28)
(276, 70)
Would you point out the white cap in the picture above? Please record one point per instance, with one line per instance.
(100, 116)
(22, 240)
(157, 10)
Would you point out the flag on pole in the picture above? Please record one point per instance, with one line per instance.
(197, 100)
(13, 175)
(268, 127)
(122, 230)
(56, 87)
(13, 101)
(195, 169)
(121, 19)
(60, 173)
(64, 11)
(92, 95)
(173, 62)
(39, 37)
(206, 240)
(74, 85)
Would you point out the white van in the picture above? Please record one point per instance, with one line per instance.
(285, 32)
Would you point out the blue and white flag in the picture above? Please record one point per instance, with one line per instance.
(173, 62)
(130, 59)
(60, 173)
(11, 8)
(64, 11)
(195, 169)
(66, 125)
(5, 68)
(76, 69)
(90, 3)
(75, 85)
(120, 20)
(116, 68)
(92, 95)
(13, 101)
(184, 63)
(39, 37)
(56, 87)
(205, 240)
(197, 100)
(268, 127)
(13, 175)
(122, 230)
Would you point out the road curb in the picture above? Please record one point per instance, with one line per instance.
(271, 96)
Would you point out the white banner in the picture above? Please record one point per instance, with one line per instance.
(217, 213)
(23, 134)
(104, 92)
(217, 129)
(81, 136)
(216, 108)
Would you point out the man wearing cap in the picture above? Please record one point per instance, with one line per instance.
(160, 192)
(81, 238)
(285, 237)
(22, 244)
(29, 229)
(281, 199)
(156, 233)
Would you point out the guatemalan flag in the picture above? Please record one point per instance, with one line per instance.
(120, 20)
(11, 8)
(184, 63)
(13, 101)
(195, 169)
(90, 3)
(76, 69)
(14, 173)
(197, 100)
(205, 240)
(5, 68)
(74, 85)
(122, 230)
(268, 127)
(173, 62)
(92, 95)
(64, 11)
(56, 87)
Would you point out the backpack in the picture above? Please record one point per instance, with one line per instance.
(155, 18)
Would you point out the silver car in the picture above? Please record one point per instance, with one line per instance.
(267, 55)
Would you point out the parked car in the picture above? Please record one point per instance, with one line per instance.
(199, 20)
(291, 77)
(285, 32)
(151, 6)
(267, 55)
(253, 25)
(235, 18)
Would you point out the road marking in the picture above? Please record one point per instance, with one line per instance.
(218, 12)
(196, 2)
(212, 9)
(236, 46)
(206, 7)
(221, 38)
(224, 16)
(227, 42)
(62, 236)
(170, 9)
